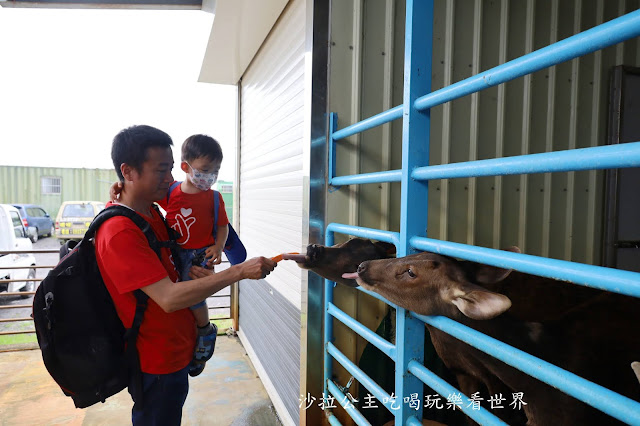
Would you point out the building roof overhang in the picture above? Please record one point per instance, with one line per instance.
(239, 29)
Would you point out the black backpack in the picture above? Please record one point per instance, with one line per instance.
(79, 332)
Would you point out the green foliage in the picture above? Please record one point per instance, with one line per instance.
(18, 339)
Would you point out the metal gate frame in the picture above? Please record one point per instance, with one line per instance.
(407, 353)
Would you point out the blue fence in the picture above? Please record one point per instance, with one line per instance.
(407, 353)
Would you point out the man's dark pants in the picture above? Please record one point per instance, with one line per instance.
(164, 396)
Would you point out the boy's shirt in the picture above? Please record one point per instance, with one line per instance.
(166, 340)
(191, 215)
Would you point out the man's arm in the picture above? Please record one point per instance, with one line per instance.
(172, 296)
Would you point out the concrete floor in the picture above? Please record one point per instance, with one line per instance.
(228, 392)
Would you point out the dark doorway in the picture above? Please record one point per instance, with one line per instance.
(622, 191)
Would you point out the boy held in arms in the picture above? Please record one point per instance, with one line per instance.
(143, 161)
(189, 207)
(190, 212)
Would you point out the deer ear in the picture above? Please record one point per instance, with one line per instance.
(481, 304)
(386, 248)
(636, 369)
(486, 274)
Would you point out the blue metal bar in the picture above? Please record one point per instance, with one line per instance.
(361, 377)
(596, 38)
(369, 123)
(600, 157)
(412, 421)
(349, 408)
(377, 296)
(481, 415)
(328, 322)
(386, 347)
(605, 400)
(595, 158)
(333, 420)
(377, 177)
(418, 47)
(615, 280)
(359, 231)
(333, 125)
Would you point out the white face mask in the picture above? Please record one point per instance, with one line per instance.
(202, 181)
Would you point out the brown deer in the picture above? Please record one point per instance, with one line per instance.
(595, 339)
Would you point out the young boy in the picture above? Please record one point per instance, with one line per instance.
(189, 207)
(190, 212)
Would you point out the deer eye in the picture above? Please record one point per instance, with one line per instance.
(411, 274)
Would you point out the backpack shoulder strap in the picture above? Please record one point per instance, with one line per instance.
(171, 188)
(172, 243)
(216, 206)
(117, 210)
(131, 352)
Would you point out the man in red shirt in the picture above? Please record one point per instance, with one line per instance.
(143, 161)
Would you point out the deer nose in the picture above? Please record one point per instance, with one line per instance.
(362, 268)
(314, 252)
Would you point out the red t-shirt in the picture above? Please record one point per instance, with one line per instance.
(166, 340)
(191, 215)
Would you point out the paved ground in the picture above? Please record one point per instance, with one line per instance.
(228, 392)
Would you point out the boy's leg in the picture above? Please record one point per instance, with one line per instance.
(188, 258)
(201, 313)
(206, 340)
(186, 255)
(163, 398)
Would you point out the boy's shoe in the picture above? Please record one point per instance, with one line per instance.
(196, 367)
(205, 345)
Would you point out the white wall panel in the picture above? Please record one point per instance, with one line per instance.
(270, 206)
(271, 126)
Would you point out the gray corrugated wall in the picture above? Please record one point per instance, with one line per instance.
(272, 325)
(556, 215)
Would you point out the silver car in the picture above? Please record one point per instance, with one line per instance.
(15, 266)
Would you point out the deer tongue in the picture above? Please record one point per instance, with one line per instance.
(350, 275)
(299, 258)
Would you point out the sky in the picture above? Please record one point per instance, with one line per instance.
(70, 80)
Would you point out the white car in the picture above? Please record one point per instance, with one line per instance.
(14, 237)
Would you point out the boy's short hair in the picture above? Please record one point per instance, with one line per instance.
(130, 146)
(197, 146)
